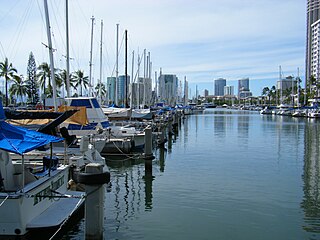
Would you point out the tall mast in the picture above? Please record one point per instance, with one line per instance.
(298, 89)
(117, 63)
(100, 79)
(280, 78)
(126, 69)
(156, 85)
(51, 56)
(144, 77)
(90, 63)
(138, 82)
(132, 70)
(67, 54)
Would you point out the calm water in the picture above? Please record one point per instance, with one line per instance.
(226, 175)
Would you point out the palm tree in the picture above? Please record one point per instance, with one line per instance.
(8, 72)
(44, 75)
(80, 80)
(103, 89)
(273, 93)
(265, 92)
(63, 77)
(18, 88)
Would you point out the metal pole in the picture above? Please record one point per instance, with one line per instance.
(126, 70)
(67, 56)
(50, 55)
(100, 98)
(117, 63)
(90, 63)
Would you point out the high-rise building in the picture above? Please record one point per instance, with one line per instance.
(229, 90)
(315, 48)
(168, 88)
(243, 85)
(243, 88)
(206, 93)
(313, 15)
(286, 83)
(185, 96)
(122, 89)
(219, 85)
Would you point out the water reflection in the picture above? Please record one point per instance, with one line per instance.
(311, 178)
(127, 191)
(148, 178)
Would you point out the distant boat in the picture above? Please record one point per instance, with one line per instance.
(209, 105)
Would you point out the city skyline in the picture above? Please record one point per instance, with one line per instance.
(200, 40)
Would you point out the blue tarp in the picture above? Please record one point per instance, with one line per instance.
(21, 140)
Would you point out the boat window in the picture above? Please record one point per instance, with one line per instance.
(95, 103)
(81, 103)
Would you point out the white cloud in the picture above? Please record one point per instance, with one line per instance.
(225, 38)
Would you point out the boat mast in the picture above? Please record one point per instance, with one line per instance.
(280, 78)
(138, 82)
(50, 55)
(99, 94)
(117, 64)
(67, 54)
(126, 69)
(144, 78)
(298, 89)
(90, 63)
(132, 70)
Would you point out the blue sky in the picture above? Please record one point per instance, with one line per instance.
(200, 39)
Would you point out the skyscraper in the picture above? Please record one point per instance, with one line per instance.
(313, 14)
(219, 85)
(168, 88)
(243, 85)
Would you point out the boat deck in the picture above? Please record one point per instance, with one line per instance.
(58, 212)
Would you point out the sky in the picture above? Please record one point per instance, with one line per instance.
(201, 40)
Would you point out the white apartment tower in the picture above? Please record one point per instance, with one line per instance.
(315, 48)
(313, 15)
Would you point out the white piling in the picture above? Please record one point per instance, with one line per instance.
(94, 206)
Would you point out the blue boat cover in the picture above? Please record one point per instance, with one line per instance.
(21, 140)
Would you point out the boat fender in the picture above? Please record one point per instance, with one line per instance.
(92, 178)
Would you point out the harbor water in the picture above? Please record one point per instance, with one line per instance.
(227, 174)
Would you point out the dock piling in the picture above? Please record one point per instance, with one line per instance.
(94, 177)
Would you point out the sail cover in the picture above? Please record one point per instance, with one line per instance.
(21, 140)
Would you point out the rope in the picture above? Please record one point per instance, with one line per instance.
(4, 200)
(128, 157)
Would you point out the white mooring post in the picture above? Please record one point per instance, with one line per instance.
(94, 204)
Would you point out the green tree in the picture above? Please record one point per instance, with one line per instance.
(80, 80)
(31, 82)
(103, 90)
(63, 77)
(8, 72)
(44, 79)
(265, 92)
(18, 88)
(273, 94)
